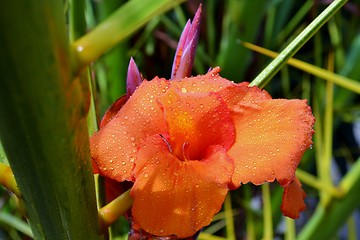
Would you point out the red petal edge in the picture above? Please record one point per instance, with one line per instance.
(293, 199)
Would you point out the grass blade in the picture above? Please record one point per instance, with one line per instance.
(264, 77)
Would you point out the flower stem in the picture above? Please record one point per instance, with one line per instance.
(324, 74)
(312, 181)
(230, 229)
(250, 223)
(264, 77)
(7, 179)
(113, 210)
(268, 225)
(290, 229)
(325, 171)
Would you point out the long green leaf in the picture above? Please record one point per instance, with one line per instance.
(270, 71)
(122, 23)
(43, 121)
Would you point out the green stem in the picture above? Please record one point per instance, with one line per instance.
(325, 171)
(312, 181)
(250, 222)
(113, 210)
(290, 233)
(264, 77)
(325, 222)
(16, 223)
(324, 74)
(268, 225)
(122, 23)
(230, 229)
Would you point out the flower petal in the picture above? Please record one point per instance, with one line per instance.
(271, 135)
(113, 110)
(114, 147)
(133, 78)
(293, 199)
(185, 51)
(210, 82)
(178, 197)
(196, 121)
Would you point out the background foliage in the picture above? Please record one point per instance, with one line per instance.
(330, 171)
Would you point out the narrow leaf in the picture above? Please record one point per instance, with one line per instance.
(264, 77)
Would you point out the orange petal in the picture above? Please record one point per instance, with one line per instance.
(198, 120)
(271, 136)
(113, 110)
(178, 197)
(210, 82)
(293, 199)
(114, 147)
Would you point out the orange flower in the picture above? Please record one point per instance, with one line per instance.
(185, 143)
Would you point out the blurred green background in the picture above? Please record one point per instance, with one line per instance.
(330, 171)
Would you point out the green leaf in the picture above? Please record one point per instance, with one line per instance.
(43, 121)
(121, 24)
(264, 77)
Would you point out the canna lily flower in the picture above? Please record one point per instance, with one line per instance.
(133, 80)
(185, 143)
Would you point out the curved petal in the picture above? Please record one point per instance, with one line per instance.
(113, 110)
(198, 120)
(271, 136)
(178, 197)
(210, 82)
(293, 199)
(114, 147)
